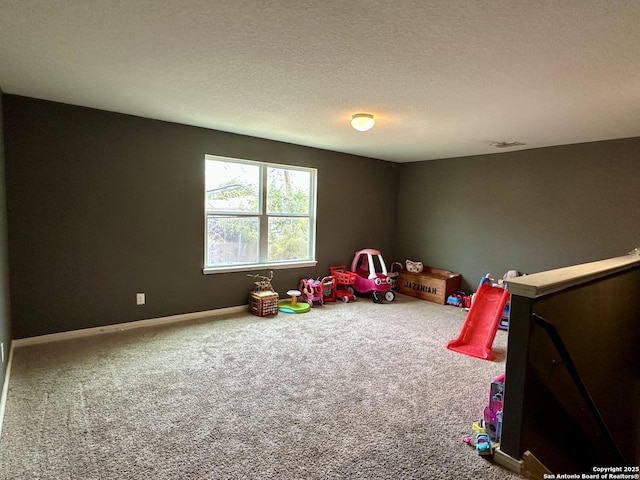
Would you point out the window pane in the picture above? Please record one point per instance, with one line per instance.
(231, 240)
(257, 213)
(231, 187)
(288, 191)
(288, 239)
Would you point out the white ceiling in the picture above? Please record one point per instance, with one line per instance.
(444, 78)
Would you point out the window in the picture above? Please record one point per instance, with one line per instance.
(258, 215)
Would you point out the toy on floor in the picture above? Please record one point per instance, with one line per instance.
(344, 283)
(367, 279)
(459, 299)
(345, 296)
(504, 320)
(328, 285)
(394, 273)
(414, 267)
(263, 300)
(508, 275)
(455, 299)
(483, 444)
(481, 325)
(493, 411)
(312, 291)
(291, 305)
(262, 283)
(477, 427)
(489, 428)
(466, 301)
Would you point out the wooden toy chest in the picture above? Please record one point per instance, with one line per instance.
(263, 304)
(432, 284)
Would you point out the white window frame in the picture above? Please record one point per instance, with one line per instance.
(263, 217)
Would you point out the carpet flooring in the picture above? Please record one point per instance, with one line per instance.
(346, 391)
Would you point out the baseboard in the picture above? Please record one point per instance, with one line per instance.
(534, 468)
(5, 388)
(151, 322)
(85, 332)
(507, 461)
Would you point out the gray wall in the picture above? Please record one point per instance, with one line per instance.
(5, 320)
(531, 210)
(103, 205)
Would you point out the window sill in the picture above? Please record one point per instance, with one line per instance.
(264, 266)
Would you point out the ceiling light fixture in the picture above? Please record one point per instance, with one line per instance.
(362, 121)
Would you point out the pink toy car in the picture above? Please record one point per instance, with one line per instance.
(367, 279)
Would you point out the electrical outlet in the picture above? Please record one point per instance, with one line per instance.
(140, 299)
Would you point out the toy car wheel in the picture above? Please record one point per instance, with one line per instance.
(351, 290)
(345, 298)
(377, 297)
(389, 296)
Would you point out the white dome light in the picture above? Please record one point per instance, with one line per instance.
(362, 121)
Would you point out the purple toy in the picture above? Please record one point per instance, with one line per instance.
(493, 411)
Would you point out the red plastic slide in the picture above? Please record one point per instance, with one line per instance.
(480, 326)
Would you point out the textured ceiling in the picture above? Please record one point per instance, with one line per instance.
(443, 78)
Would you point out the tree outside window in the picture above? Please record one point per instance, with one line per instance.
(258, 213)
